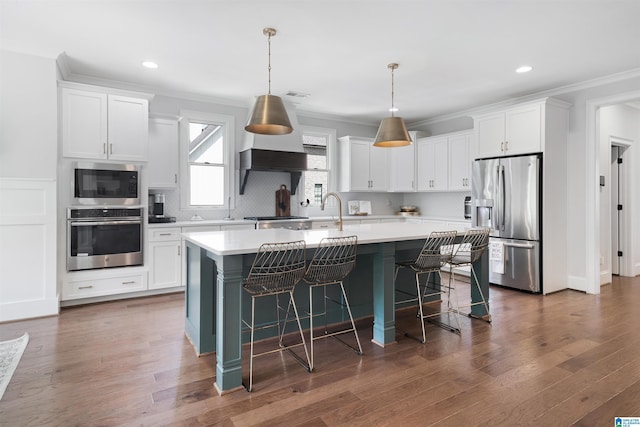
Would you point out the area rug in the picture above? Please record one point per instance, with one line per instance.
(10, 354)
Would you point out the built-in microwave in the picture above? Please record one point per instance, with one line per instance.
(105, 184)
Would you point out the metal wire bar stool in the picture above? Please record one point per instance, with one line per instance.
(333, 260)
(470, 249)
(276, 269)
(436, 252)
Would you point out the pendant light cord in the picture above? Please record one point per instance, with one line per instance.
(269, 43)
(392, 91)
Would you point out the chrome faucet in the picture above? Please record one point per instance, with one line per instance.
(324, 199)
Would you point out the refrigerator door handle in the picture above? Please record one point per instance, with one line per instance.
(495, 221)
(503, 197)
(519, 245)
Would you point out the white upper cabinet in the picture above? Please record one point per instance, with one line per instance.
(402, 166)
(460, 162)
(97, 125)
(510, 132)
(432, 159)
(361, 166)
(162, 168)
(84, 124)
(128, 128)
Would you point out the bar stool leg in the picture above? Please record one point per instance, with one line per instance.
(420, 302)
(353, 324)
(311, 326)
(253, 310)
(304, 343)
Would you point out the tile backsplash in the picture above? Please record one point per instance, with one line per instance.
(259, 200)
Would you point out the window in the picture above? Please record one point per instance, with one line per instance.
(317, 144)
(206, 144)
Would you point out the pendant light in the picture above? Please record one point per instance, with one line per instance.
(392, 131)
(269, 116)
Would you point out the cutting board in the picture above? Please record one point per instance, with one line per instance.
(283, 201)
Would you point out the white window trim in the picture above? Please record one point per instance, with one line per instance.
(229, 148)
(332, 161)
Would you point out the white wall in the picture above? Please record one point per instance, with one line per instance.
(620, 121)
(581, 186)
(28, 164)
(28, 116)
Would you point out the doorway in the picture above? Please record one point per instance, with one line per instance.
(592, 200)
(619, 205)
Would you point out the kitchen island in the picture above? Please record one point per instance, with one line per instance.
(217, 261)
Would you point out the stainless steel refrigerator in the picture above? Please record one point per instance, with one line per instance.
(505, 196)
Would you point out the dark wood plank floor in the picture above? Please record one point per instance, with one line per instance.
(562, 359)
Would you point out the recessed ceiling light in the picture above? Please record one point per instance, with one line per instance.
(149, 64)
(394, 109)
(524, 69)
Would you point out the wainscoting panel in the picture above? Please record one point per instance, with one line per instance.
(27, 248)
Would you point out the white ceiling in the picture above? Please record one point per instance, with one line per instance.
(453, 54)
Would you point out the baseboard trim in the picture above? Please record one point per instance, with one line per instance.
(577, 283)
(23, 310)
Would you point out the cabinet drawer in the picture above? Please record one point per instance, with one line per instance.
(164, 234)
(237, 227)
(200, 228)
(107, 286)
(323, 224)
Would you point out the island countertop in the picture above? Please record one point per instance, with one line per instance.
(235, 242)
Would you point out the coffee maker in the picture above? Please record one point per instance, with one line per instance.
(156, 202)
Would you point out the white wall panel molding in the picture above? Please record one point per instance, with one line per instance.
(28, 285)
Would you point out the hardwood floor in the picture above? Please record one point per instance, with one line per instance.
(561, 359)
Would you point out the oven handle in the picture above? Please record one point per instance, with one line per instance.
(81, 223)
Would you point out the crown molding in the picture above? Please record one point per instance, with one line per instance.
(573, 87)
(333, 117)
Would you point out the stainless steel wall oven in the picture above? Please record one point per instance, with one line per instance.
(105, 184)
(101, 238)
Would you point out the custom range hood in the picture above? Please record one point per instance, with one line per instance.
(274, 153)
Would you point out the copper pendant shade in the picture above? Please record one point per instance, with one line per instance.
(269, 117)
(392, 131)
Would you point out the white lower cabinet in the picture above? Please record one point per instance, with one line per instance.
(165, 255)
(237, 227)
(316, 225)
(86, 287)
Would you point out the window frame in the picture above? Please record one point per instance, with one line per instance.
(228, 123)
(330, 134)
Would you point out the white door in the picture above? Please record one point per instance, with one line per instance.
(359, 162)
(84, 124)
(162, 169)
(128, 128)
(378, 168)
(523, 130)
(490, 131)
(460, 162)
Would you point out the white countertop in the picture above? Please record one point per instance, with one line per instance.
(346, 219)
(234, 242)
(200, 223)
